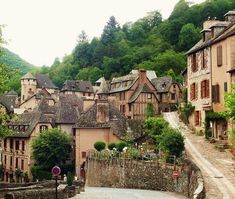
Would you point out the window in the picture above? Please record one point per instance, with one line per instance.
(11, 161)
(11, 143)
(225, 87)
(16, 163)
(205, 89)
(122, 108)
(193, 91)
(83, 94)
(5, 159)
(89, 94)
(149, 95)
(5, 143)
(43, 128)
(17, 144)
(23, 145)
(129, 105)
(219, 56)
(204, 58)
(174, 86)
(83, 154)
(22, 165)
(197, 118)
(215, 94)
(194, 62)
(172, 96)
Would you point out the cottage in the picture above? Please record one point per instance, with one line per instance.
(132, 94)
(168, 91)
(102, 122)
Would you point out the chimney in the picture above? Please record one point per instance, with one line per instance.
(230, 16)
(102, 114)
(142, 75)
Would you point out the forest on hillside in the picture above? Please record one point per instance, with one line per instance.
(150, 42)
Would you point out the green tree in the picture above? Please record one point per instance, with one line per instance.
(108, 35)
(154, 126)
(230, 102)
(189, 36)
(50, 148)
(171, 73)
(150, 110)
(171, 142)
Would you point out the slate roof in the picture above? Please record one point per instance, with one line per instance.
(163, 84)
(28, 76)
(69, 108)
(151, 74)
(78, 86)
(125, 82)
(9, 101)
(117, 121)
(43, 81)
(142, 88)
(66, 110)
(231, 12)
(201, 44)
(30, 120)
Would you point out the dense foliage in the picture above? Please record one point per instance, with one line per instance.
(51, 147)
(150, 43)
(168, 140)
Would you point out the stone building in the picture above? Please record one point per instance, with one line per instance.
(31, 85)
(8, 102)
(102, 122)
(132, 93)
(79, 87)
(16, 148)
(211, 71)
(169, 93)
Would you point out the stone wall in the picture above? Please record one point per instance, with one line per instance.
(145, 175)
(39, 190)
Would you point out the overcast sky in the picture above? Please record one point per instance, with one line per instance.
(40, 30)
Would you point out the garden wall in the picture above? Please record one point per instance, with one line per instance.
(126, 173)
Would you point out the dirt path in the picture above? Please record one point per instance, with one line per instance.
(218, 168)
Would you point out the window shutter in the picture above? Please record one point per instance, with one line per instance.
(202, 96)
(207, 88)
(213, 93)
(191, 92)
(218, 93)
(202, 59)
(199, 118)
(219, 56)
(196, 91)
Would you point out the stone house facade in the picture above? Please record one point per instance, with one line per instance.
(210, 71)
(102, 122)
(169, 93)
(79, 87)
(132, 94)
(31, 85)
(16, 149)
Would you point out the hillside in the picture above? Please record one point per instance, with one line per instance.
(150, 43)
(13, 61)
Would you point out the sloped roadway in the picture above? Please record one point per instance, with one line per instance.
(113, 193)
(222, 185)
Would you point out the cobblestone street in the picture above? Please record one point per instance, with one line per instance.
(218, 168)
(112, 193)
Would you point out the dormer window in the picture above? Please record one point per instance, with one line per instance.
(163, 85)
(43, 128)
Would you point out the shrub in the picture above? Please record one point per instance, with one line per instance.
(208, 133)
(121, 146)
(18, 174)
(171, 142)
(99, 146)
(70, 178)
(40, 174)
(111, 146)
(26, 177)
